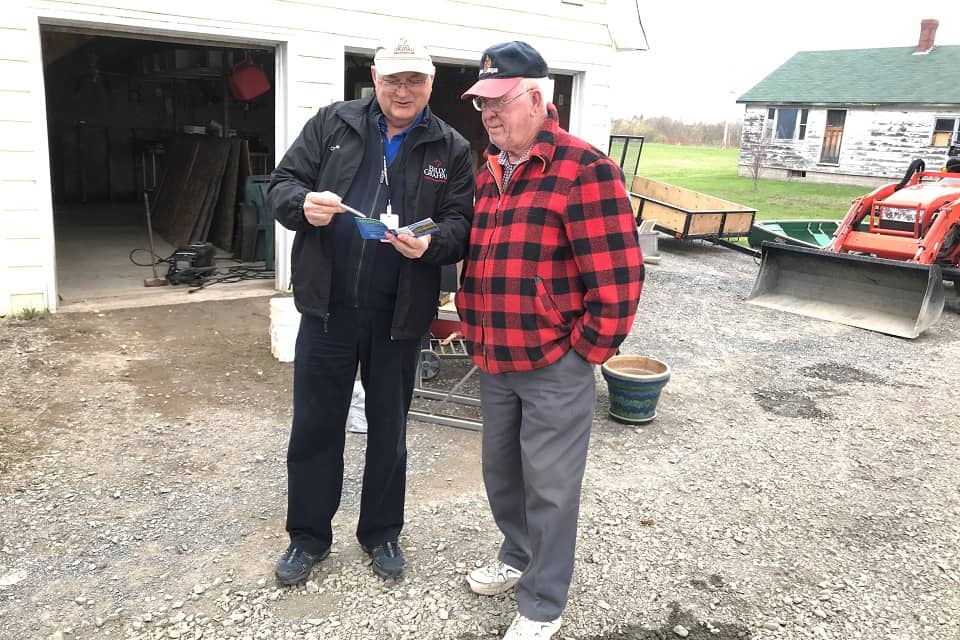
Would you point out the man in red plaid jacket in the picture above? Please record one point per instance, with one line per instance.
(550, 287)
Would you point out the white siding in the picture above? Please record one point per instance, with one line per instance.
(26, 239)
(311, 36)
(877, 147)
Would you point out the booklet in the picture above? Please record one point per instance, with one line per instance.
(373, 229)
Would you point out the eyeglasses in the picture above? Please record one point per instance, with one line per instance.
(496, 104)
(394, 84)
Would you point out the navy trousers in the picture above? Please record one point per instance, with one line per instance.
(325, 367)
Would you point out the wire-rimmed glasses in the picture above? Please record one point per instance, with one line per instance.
(394, 84)
(495, 104)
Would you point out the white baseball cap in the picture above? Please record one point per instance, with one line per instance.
(402, 54)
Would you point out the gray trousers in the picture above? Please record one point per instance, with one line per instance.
(536, 430)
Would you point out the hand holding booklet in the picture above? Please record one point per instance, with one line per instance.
(373, 229)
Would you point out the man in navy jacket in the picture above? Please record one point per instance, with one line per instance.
(365, 302)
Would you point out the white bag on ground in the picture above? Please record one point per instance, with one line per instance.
(357, 416)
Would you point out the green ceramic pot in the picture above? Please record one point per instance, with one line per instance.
(634, 384)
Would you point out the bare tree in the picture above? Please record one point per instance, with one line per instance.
(758, 149)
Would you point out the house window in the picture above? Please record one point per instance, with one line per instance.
(791, 124)
(943, 131)
(768, 124)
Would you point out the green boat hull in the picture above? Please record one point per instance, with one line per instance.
(814, 234)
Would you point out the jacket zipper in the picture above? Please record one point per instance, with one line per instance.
(363, 249)
(407, 200)
(496, 217)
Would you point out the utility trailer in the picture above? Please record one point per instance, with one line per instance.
(684, 213)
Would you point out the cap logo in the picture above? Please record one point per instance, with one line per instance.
(403, 47)
(487, 67)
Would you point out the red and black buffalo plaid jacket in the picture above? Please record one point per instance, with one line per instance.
(554, 262)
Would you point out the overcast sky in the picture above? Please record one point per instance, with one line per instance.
(704, 55)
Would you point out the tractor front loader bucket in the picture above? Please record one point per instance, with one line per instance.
(889, 296)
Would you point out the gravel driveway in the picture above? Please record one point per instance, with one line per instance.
(800, 481)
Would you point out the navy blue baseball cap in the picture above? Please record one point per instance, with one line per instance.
(503, 66)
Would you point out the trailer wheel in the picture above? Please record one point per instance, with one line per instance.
(429, 364)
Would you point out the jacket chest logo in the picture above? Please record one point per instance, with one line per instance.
(436, 172)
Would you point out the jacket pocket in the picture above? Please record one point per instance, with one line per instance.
(546, 306)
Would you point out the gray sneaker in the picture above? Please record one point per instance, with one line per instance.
(388, 559)
(493, 579)
(296, 564)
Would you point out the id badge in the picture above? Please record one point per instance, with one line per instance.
(391, 220)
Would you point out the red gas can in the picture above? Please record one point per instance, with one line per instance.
(247, 81)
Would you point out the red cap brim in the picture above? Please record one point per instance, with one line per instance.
(491, 88)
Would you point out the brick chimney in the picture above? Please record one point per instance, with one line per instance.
(928, 33)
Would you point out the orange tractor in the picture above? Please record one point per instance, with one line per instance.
(885, 267)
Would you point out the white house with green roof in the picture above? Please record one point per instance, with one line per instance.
(854, 116)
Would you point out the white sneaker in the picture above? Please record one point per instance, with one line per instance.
(356, 426)
(493, 579)
(526, 629)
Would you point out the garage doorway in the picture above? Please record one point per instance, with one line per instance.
(129, 115)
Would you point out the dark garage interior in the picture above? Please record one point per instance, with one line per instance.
(128, 116)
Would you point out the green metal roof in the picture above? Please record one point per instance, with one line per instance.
(864, 76)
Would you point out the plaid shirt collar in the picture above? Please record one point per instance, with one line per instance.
(510, 167)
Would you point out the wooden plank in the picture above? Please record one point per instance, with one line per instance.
(244, 171)
(221, 233)
(740, 223)
(246, 168)
(220, 152)
(635, 203)
(194, 193)
(703, 224)
(668, 217)
(180, 160)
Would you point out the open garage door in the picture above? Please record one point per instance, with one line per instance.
(189, 125)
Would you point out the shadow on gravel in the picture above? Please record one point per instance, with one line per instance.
(696, 630)
(788, 404)
(835, 372)
(714, 580)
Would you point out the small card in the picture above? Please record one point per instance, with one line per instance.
(392, 220)
(371, 229)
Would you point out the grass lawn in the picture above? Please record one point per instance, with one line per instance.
(713, 171)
